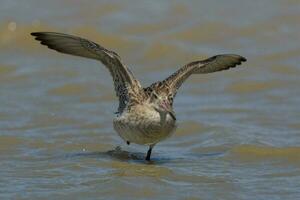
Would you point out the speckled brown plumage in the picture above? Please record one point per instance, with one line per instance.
(145, 115)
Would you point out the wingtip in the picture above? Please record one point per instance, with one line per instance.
(34, 33)
(243, 59)
(37, 34)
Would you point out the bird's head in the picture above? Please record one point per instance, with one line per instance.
(162, 104)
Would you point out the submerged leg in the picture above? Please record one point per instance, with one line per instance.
(149, 152)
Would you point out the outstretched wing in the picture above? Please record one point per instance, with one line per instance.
(126, 86)
(212, 64)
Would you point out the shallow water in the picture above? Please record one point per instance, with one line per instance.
(239, 130)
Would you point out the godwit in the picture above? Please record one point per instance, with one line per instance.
(145, 115)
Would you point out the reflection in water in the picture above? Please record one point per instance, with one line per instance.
(116, 153)
(138, 157)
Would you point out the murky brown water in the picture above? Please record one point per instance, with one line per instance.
(239, 130)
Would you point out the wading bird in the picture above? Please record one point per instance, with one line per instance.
(145, 115)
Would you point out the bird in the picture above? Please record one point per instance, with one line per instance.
(145, 115)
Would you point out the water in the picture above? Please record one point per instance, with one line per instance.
(239, 131)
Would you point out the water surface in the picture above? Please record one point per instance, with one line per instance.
(239, 131)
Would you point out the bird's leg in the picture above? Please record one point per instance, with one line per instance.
(149, 152)
(128, 143)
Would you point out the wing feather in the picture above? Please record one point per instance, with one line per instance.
(212, 64)
(126, 86)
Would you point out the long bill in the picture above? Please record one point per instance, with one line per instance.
(169, 110)
(171, 113)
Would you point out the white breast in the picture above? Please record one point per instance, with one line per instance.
(144, 125)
